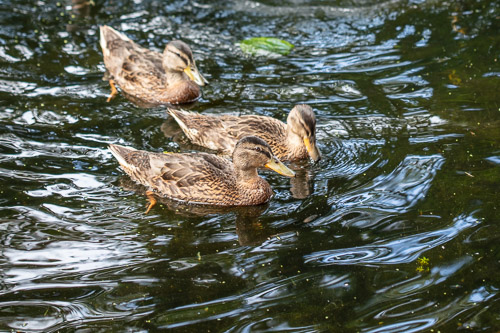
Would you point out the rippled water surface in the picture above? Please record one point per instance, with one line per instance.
(395, 230)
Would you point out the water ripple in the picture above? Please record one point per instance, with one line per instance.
(399, 251)
(398, 191)
(406, 103)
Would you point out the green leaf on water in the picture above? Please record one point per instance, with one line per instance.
(266, 46)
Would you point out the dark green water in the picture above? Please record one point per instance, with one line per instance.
(407, 96)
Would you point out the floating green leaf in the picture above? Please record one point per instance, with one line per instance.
(266, 46)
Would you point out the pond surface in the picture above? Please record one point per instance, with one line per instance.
(397, 229)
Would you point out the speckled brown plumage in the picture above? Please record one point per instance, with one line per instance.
(222, 132)
(201, 177)
(148, 75)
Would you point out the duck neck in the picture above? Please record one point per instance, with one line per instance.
(252, 188)
(295, 145)
(249, 175)
(175, 76)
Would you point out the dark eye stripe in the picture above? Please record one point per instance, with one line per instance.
(306, 127)
(260, 150)
(179, 55)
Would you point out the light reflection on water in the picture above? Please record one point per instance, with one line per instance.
(406, 99)
(399, 251)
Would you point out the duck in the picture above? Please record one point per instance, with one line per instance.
(293, 141)
(168, 78)
(203, 178)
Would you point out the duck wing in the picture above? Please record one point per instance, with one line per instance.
(205, 130)
(195, 178)
(269, 129)
(222, 132)
(129, 64)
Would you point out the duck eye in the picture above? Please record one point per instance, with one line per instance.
(260, 150)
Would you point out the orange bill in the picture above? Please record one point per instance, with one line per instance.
(195, 75)
(312, 150)
(275, 165)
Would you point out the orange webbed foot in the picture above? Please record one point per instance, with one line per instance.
(114, 92)
(151, 199)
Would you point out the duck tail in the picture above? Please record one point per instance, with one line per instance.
(135, 163)
(138, 164)
(102, 40)
(124, 155)
(108, 34)
(179, 116)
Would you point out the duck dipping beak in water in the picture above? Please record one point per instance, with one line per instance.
(312, 149)
(293, 141)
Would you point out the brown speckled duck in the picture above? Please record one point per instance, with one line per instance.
(292, 141)
(168, 78)
(204, 178)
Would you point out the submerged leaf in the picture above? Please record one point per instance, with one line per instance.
(267, 46)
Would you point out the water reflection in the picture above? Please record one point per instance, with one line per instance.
(401, 250)
(301, 186)
(249, 229)
(398, 191)
(79, 9)
(141, 103)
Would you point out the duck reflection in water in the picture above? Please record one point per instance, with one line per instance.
(80, 9)
(301, 186)
(249, 229)
(145, 104)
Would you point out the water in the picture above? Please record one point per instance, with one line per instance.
(395, 230)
